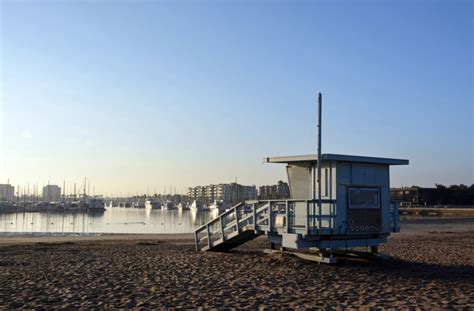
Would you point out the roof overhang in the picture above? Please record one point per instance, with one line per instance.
(336, 157)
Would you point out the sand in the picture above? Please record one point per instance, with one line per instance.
(430, 270)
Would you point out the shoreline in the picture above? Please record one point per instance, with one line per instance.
(410, 225)
(30, 239)
(429, 270)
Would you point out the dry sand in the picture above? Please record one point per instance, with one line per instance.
(433, 270)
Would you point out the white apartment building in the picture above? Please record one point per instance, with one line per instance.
(51, 193)
(229, 193)
(7, 192)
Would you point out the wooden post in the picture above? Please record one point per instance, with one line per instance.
(237, 227)
(269, 216)
(208, 227)
(307, 217)
(333, 211)
(320, 210)
(221, 221)
(254, 210)
(395, 216)
(196, 239)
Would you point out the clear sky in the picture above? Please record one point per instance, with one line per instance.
(145, 94)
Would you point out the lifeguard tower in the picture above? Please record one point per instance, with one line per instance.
(338, 202)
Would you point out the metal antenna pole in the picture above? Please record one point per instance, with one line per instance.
(320, 107)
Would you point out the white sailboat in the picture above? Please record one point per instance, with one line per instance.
(182, 206)
(152, 204)
(217, 205)
(167, 205)
(197, 206)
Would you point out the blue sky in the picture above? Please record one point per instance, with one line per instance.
(137, 94)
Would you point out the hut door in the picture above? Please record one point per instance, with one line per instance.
(299, 179)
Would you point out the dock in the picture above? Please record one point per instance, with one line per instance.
(432, 211)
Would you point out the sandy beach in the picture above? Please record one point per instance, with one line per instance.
(431, 269)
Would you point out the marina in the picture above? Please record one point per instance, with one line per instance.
(171, 155)
(111, 220)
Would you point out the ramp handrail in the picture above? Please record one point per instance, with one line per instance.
(315, 214)
(227, 224)
(260, 216)
(209, 227)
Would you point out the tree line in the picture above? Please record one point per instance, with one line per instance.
(456, 194)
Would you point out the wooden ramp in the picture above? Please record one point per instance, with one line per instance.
(232, 241)
(232, 228)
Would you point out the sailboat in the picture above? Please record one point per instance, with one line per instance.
(152, 204)
(217, 205)
(197, 206)
(167, 205)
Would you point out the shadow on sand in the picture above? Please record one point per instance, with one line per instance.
(394, 268)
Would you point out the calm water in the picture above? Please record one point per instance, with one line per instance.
(113, 220)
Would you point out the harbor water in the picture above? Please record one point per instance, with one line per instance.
(112, 220)
(123, 220)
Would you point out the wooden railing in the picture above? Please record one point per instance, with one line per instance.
(264, 216)
(229, 224)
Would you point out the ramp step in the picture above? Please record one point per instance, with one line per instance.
(232, 241)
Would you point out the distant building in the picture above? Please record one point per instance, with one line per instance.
(197, 193)
(232, 193)
(7, 192)
(271, 192)
(238, 193)
(51, 193)
(416, 196)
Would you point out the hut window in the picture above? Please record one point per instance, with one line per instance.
(364, 198)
